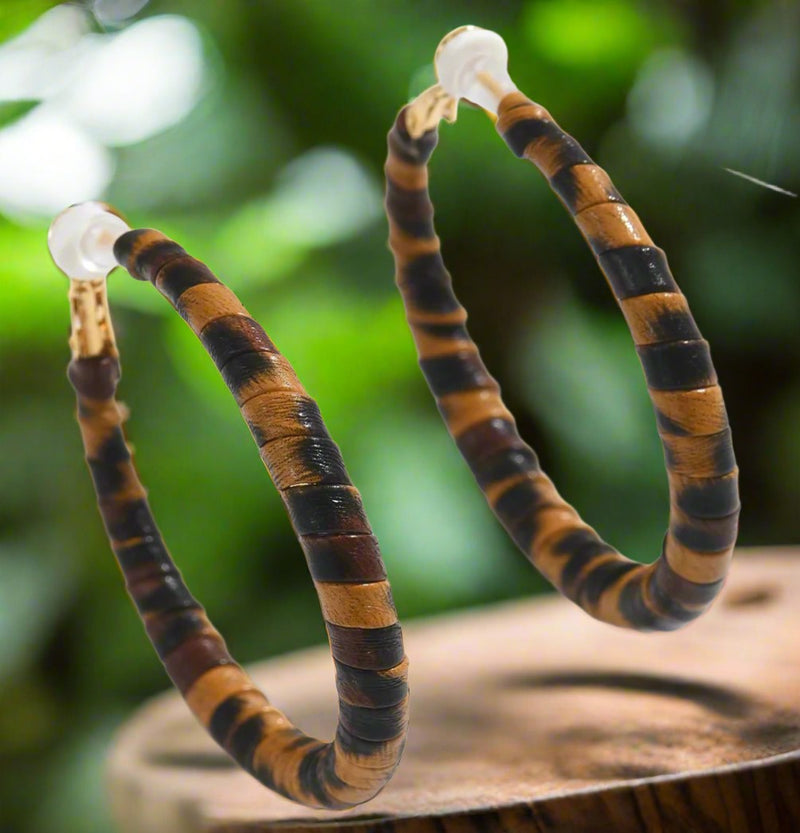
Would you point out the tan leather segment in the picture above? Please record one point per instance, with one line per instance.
(612, 225)
(643, 311)
(206, 302)
(357, 605)
(592, 186)
(465, 409)
(702, 568)
(700, 412)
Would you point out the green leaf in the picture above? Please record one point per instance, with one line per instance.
(725, 294)
(29, 715)
(36, 585)
(73, 778)
(605, 35)
(441, 543)
(34, 291)
(17, 15)
(579, 373)
(322, 198)
(344, 347)
(11, 111)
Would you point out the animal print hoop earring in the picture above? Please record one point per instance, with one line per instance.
(87, 241)
(704, 500)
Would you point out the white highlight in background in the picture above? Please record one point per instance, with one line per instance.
(39, 61)
(96, 91)
(137, 83)
(322, 197)
(113, 12)
(671, 99)
(46, 163)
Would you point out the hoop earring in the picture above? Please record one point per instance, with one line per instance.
(690, 413)
(87, 241)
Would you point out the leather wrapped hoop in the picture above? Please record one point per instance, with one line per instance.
(328, 518)
(690, 413)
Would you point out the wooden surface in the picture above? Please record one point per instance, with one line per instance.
(552, 722)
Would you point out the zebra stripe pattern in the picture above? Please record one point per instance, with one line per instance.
(690, 413)
(328, 517)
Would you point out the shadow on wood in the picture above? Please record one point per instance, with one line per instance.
(529, 716)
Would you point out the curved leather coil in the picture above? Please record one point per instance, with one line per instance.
(328, 518)
(689, 409)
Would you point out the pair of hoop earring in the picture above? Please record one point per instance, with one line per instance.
(89, 240)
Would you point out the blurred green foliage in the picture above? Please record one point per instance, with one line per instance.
(274, 178)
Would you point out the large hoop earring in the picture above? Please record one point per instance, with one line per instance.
(87, 241)
(690, 412)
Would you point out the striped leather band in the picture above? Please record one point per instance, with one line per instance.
(329, 520)
(690, 413)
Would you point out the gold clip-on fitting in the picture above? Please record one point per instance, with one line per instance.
(91, 332)
(81, 242)
(471, 64)
(428, 109)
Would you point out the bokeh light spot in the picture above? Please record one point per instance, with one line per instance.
(671, 99)
(324, 196)
(139, 82)
(113, 12)
(46, 163)
(583, 33)
(36, 62)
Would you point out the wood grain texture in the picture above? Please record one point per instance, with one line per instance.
(549, 723)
